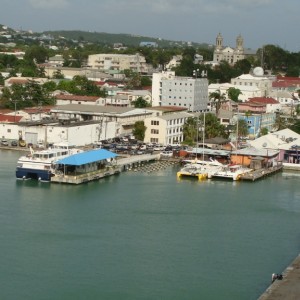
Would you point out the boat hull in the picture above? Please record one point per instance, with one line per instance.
(26, 173)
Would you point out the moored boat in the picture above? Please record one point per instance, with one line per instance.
(38, 164)
(199, 168)
(232, 171)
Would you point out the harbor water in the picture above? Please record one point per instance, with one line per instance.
(142, 235)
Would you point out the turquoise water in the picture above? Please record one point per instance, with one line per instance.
(145, 236)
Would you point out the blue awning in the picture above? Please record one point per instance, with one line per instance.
(86, 157)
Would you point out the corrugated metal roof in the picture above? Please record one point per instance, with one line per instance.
(86, 157)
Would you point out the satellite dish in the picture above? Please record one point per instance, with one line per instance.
(258, 71)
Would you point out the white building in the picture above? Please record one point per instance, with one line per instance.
(286, 97)
(247, 91)
(124, 117)
(118, 62)
(174, 62)
(78, 134)
(257, 79)
(56, 60)
(185, 92)
(165, 129)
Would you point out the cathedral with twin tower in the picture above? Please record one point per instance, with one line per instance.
(231, 55)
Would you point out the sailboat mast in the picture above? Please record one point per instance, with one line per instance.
(203, 137)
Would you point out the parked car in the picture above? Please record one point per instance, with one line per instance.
(22, 143)
(14, 143)
(4, 143)
(167, 153)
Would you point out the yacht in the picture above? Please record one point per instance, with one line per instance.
(199, 168)
(232, 171)
(38, 164)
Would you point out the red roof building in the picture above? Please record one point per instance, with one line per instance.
(10, 118)
(263, 100)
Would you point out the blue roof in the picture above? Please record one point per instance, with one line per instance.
(86, 157)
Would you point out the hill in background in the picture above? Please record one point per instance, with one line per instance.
(125, 39)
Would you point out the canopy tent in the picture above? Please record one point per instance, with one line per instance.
(86, 157)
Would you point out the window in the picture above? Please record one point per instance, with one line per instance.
(8, 130)
(156, 123)
(154, 131)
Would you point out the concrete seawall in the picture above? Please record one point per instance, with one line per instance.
(288, 288)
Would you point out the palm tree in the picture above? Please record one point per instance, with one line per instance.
(190, 131)
(217, 99)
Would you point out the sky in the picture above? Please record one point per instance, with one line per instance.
(260, 22)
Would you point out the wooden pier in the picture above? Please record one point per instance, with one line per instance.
(86, 177)
(261, 173)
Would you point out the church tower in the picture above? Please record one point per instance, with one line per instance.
(219, 42)
(240, 44)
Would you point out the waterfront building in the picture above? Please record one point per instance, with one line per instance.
(286, 141)
(186, 92)
(166, 129)
(113, 121)
(56, 131)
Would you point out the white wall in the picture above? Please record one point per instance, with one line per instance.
(77, 135)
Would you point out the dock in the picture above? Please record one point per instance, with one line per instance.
(86, 177)
(288, 288)
(122, 164)
(261, 173)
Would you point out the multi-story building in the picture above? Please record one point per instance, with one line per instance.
(185, 92)
(118, 62)
(165, 129)
(257, 121)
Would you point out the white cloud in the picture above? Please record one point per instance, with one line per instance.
(49, 3)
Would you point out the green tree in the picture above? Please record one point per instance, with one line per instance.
(242, 128)
(140, 102)
(139, 130)
(146, 81)
(190, 131)
(50, 86)
(233, 94)
(213, 128)
(280, 122)
(36, 54)
(217, 99)
(1, 79)
(57, 74)
(263, 131)
(243, 65)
